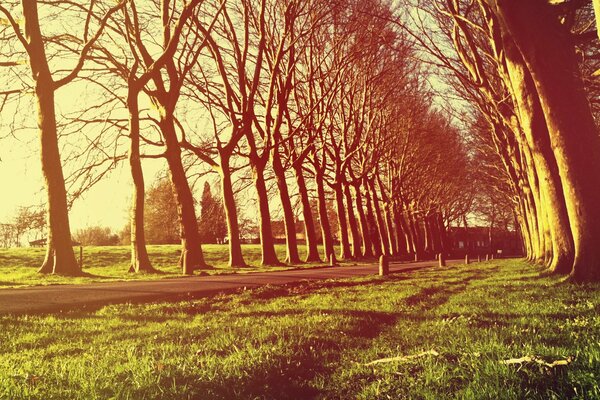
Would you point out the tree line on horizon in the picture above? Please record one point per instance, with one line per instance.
(313, 102)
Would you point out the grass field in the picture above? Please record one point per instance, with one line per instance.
(18, 266)
(451, 330)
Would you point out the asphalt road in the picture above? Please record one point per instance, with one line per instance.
(50, 299)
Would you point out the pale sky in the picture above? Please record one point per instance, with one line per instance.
(106, 204)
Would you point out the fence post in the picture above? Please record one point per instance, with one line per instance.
(467, 259)
(80, 257)
(442, 260)
(384, 266)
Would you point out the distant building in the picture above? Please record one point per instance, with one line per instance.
(476, 240)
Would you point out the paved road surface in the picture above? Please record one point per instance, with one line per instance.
(62, 297)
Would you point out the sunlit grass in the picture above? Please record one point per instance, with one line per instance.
(18, 266)
(313, 340)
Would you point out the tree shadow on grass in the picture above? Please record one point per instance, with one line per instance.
(310, 287)
(289, 374)
(429, 298)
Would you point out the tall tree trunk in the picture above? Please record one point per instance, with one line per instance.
(343, 225)
(367, 250)
(356, 241)
(401, 233)
(372, 223)
(443, 234)
(548, 51)
(60, 258)
(291, 248)
(139, 255)
(383, 236)
(389, 227)
(312, 249)
(536, 132)
(236, 258)
(323, 218)
(415, 230)
(192, 257)
(267, 244)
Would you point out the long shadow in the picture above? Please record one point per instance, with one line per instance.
(431, 297)
(282, 376)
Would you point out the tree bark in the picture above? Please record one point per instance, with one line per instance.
(236, 257)
(356, 240)
(192, 257)
(372, 223)
(343, 224)
(267, 245)
(367, 250)
(536, 133)
(291, 243)
(548, 51)
(383, 236)
(323, 218)
(139, 255)
(401, 233)
(60, 258)
(312, 249)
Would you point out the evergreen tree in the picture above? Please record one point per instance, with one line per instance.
(212, 224)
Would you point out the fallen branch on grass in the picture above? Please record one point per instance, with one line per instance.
(537, 360)
(404, 358)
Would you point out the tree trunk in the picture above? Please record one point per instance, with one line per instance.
(267, 245)
(356, 241)
(548, 51)
(401, 233)
(60, 258)
(372, 224)
(444, 247)
(364, 226)
(312, 249)
(139, 255)
(192, 257)
(323, 218)
(343, 225)
(383, 236)
(536, 133)
(236, 258)
(291, 248)
(389, 227)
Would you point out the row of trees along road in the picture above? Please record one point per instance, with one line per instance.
(313, 100)
(527, 70)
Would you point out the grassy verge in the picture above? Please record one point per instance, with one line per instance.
(451, 329)
(18, 266)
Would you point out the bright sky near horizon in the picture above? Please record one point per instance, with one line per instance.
(106, 204)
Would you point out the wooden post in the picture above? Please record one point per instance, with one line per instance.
(467, 259)
(81, 257)
(416, 256)
(332, 260)
(478, 257)
(487, 257)
(442, 259)
(384, 266)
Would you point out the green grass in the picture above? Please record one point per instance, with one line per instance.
(312, 340)
(18, 266)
